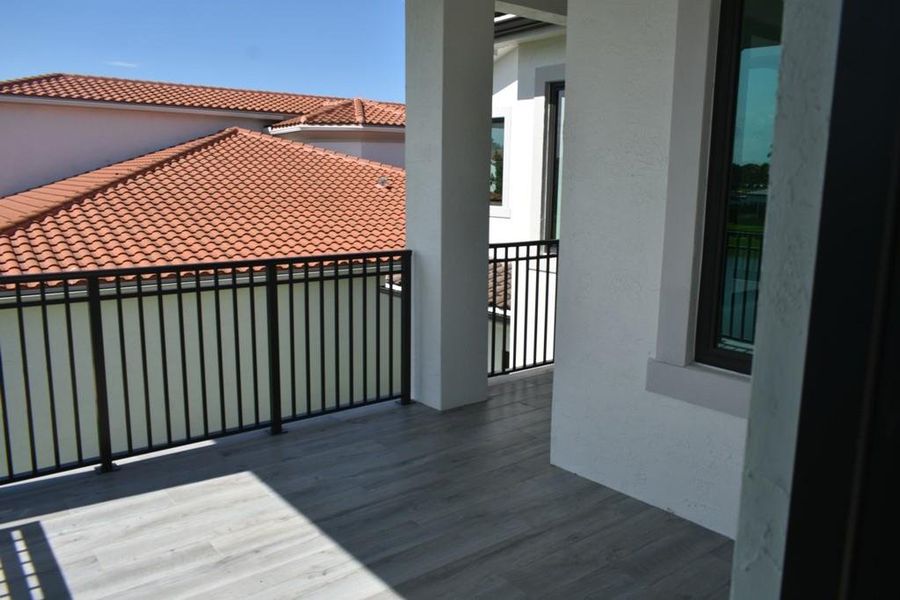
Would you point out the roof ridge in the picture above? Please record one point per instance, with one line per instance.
(324, 110)
(318, 149)
(175, 83)
(191, 146)
(16, 80)
(359, 111)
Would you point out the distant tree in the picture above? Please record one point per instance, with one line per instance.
(750, 177)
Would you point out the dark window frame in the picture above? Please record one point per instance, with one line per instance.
(709, 306)
(501, 201)
(550, 167)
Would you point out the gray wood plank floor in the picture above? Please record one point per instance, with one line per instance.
(381, 502)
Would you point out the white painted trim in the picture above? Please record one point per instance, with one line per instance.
(709, 387)
(692, 100)
(549, 12)
(397, 129)
(145, 107)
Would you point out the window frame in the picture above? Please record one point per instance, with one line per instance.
(502, 119)
(550, 169)
(725, 96)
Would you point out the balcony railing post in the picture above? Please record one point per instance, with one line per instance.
(406, 328)
(99, 361)
(274, 346)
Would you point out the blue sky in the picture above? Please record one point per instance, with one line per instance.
(339, 47)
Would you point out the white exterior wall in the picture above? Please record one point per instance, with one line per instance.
(41, 143)
(520, 78)
(387, 148)
(606, 426)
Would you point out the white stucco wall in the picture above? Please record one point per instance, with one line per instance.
(811, 29)
(606, 426)
(40, 143)
(388, 148)
(520, 78)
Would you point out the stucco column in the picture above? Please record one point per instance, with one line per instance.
(796, 183)
(449, 65)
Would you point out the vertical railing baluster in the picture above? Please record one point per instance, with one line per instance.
(73, 377)
(218, 306)
(48, 362)
(7, 442)
(198, 288)
(525, 303)
(406, 328)
(26, 379)
(515, 313)
(391, 326)
(547, 256)
(492, 309)
(253, 347)
(507, 280)
(274, 347)
(292, 329)
(144, 371)
(337, 336)
(537, 300)
(181, 343)
(167, 401)
(99, 362)
(378, 284)
(365, 330)
(306, 334)
(555, 298)
(239, 391)
(124, 364)
(350, 360)
(322, 332)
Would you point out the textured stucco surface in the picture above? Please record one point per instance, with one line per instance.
(449, 71)
(520, 79)
(606, 425)
(792, 223)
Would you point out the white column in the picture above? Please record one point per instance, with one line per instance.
(809, 53)
(449, 66)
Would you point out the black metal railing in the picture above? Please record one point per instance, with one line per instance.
(101, 365)
(743, 257)
(522, 279)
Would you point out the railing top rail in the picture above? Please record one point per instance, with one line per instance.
(526, 243)
(6, 280)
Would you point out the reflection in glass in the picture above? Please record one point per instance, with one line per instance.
(748, 180)
(497, 132)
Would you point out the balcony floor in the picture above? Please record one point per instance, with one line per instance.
(385, 501)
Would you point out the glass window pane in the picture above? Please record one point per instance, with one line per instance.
(497, 133)
(748, 177)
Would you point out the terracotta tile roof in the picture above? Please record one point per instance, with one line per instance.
(134, 91)
(351, 112)
(233, 195)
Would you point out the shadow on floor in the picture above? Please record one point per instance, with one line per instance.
(383, 501)
(28, 568)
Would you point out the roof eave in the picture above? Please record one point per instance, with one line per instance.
(398, 129)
